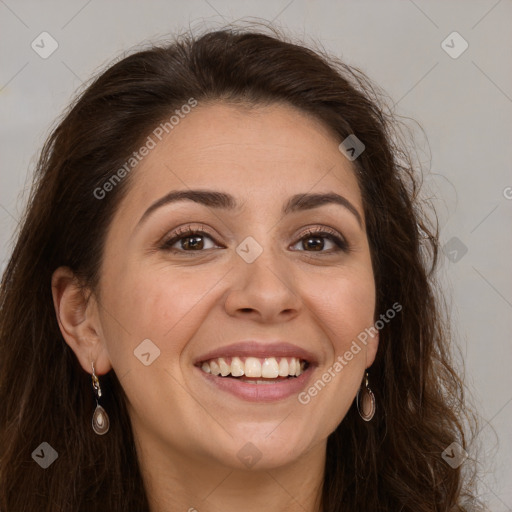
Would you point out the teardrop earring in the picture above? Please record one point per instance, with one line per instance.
(365, 400)
(100, 420)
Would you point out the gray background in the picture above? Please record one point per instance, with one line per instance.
(464, 105)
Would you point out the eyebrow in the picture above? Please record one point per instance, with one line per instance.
(224, 201)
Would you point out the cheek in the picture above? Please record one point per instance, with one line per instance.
(156, 304)
(344, 308)
(344, 304)
(151, 303)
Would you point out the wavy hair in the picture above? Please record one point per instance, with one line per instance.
(393, 463)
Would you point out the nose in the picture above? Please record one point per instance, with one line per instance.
(264, 290)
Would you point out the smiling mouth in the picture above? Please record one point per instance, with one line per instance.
(256, 370)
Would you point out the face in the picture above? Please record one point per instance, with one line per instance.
(239, 280)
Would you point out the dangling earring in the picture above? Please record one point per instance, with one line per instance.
(365, 400)
(100, 421)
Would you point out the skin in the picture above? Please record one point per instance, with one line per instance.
(188, 436)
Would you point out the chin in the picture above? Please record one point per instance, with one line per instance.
(263, 449)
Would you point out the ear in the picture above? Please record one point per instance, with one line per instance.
(79, 322)
(371, 349)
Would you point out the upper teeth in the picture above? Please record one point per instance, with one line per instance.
(268, 367)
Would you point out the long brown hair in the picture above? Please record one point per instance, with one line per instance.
(393, 463)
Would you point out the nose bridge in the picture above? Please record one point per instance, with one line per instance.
(264, 278)
(262, 255)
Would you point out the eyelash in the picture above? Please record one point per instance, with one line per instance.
(188, 231)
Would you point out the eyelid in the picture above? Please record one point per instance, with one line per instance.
(317, 230)
(187, 230)
(325, 232)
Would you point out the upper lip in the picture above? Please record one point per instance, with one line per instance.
(259, 349)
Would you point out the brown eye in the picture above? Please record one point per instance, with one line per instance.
(192, 242)
(315, 241)
(188, 240)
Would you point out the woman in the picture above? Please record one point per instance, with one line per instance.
(221, 297)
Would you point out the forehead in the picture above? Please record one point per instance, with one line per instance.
(257, 154)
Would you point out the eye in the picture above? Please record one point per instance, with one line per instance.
(189, 240)
(314, 239)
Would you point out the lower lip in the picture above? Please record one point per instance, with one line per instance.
(270, 392)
